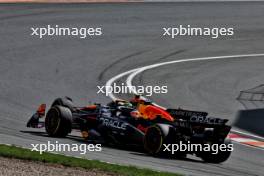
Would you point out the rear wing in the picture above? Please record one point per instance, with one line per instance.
(185, 114)
(196, 117)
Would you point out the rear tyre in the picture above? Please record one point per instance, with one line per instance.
(220, 157)
(158, 135)
(153, 140)
(58, 121)
(65, 102)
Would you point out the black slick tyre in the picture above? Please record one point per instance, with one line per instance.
(219, 157)
(153, 140)
(65, 102)
(58, 121)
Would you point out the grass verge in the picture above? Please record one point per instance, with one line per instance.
(27, 154)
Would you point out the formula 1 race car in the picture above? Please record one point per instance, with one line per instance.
(138, 122)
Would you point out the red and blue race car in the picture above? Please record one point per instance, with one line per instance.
(136, 122)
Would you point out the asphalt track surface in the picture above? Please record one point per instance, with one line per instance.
(33, 71)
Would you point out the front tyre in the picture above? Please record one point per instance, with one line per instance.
(58, 121)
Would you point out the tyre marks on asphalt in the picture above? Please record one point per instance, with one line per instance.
(163, 58)
(118, 61)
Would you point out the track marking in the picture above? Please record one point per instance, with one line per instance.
(112, 80)
(245, 140)
(251, 135)
(142, 69)
(136, 71)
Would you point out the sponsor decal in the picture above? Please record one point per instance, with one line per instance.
(207, 120)
(113, 123)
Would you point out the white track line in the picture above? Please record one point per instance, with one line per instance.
(112, 80)
(136, 71)
(142, 69)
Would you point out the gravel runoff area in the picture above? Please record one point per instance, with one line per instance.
(17, 167)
